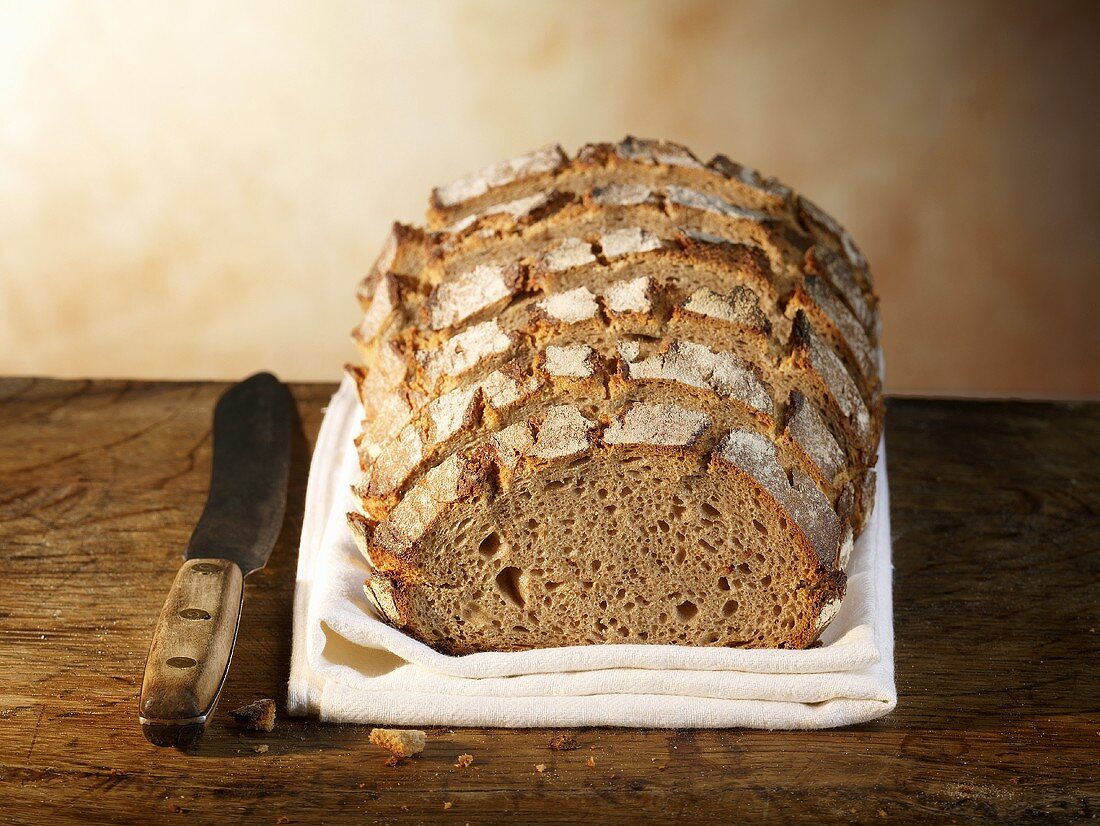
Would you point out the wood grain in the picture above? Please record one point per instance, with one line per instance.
(997, 563)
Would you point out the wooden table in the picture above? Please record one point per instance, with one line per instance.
(995, 511)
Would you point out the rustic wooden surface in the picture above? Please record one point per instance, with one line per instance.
(995, 510)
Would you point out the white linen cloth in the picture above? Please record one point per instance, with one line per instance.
(349, 666)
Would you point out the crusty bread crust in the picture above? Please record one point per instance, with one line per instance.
(633, 307)
(564, 323)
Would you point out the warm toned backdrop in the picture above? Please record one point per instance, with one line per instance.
(194, 189)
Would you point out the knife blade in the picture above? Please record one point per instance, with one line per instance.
(194, 637)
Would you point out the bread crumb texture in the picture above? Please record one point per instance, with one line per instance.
(623, 396)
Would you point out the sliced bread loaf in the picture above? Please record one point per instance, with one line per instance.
(619, 397)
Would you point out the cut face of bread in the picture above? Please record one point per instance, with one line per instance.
(696, 548)
(624, 396)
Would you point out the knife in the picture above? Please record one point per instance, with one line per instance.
(194, 637)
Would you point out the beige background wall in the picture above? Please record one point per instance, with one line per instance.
(194, 189)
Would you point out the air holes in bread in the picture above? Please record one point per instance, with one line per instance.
(490, 545)
(510, 586)
(687, 610)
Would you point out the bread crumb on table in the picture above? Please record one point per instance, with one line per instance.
(590, 762)
(399, 742)
(464, 761)
(540, 768)
(260, 749)
(257, 716)
(447, 804)
(564, 742)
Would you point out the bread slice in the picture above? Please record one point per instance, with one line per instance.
(623, 396)
(699, 545)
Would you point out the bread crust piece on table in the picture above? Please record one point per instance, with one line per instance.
(620, 397)
(398, 741)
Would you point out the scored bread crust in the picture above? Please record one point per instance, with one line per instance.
(716, 382)
(590, 232)
(783, 239)
(567, 323)
(829, 318)
(636, 306)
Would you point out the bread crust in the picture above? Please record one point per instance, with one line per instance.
(833, 323)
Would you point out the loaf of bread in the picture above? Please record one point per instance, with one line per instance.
(624, 397)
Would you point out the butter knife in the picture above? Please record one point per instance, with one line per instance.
(195, 634)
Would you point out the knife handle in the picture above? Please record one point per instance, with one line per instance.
(192, 646)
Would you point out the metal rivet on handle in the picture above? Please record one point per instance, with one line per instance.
(206, 568)
(181, 662)
(194, 614)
